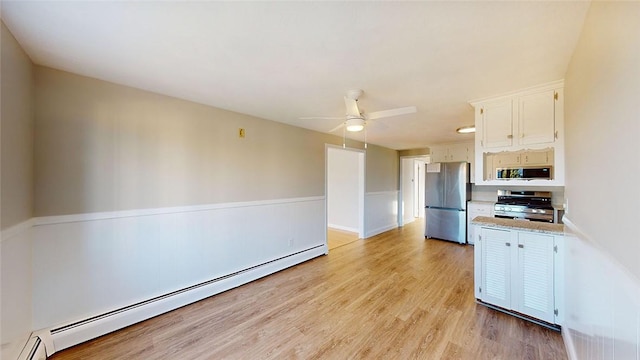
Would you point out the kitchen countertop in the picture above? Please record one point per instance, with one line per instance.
(534, 226)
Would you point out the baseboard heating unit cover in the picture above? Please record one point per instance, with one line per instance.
(80, 331)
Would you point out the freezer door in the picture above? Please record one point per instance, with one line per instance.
(446, 224)
(456, 178)
(434, 185)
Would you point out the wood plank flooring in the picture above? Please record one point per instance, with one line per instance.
(393, 296)
(337, 238)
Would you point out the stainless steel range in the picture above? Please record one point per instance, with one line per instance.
(524, 205)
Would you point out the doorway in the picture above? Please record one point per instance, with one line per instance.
(411, 204)
(345, 195)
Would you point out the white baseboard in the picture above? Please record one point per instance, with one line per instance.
(83, 330)
(408, 220)
(380, 230)
(381, 212)
(343, 228)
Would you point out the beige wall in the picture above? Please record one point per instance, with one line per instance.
(17, 133)
(104, 147)
(602, 127)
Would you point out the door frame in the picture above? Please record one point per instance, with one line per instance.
(427, 159)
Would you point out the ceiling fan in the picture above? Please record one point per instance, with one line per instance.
(355, 119)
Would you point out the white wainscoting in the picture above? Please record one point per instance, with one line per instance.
(95, 273)
(16, 288)
(602, 302)
(380, 212)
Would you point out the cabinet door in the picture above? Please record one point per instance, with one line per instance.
(438, 154)
(507, 159)
(537, 157)
(477, 261)
(497, 124)
(458, 152)
(537, 118)
(533, 288)
(496, 266)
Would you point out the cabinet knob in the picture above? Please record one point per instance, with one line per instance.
(521, 246)
(510, 136)
(508, 244)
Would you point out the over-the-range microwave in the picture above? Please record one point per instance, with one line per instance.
(524, 173)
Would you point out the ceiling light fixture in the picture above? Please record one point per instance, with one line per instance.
(466, 129)
(355, 124)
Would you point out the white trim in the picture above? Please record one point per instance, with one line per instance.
(67, 335)
(343, 228)
(568, 343)
(383, 220)
(380, 230)
(59, 219)
(17, 229)
(622, 288)
(631, 282)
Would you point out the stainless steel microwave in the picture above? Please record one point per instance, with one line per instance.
(524, 173)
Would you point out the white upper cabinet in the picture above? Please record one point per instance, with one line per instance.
(497, 120)
(523, 120)
(452, 152)
(527, 120)
(536, 113)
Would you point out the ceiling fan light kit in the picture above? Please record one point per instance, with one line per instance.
(355, 124)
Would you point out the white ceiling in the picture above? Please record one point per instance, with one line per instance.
(285, 60)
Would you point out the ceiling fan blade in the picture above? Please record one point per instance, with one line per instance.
(393, 112)
(352, 107)
(336, 128)
(321, 118)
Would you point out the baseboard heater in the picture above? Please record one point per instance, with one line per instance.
(38, 347)
(87, 329)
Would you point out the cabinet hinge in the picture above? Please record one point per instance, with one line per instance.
(556, 134)
(479, 237)
(555, 95)
(555, 312)
(480, 290)
(555, 248)
(481, 111)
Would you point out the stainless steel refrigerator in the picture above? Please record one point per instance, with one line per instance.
(447, 190)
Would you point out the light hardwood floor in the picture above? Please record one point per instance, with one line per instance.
(337, 238)
(393, 296)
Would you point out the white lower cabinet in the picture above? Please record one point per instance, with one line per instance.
(517, 271)
(475, 209)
